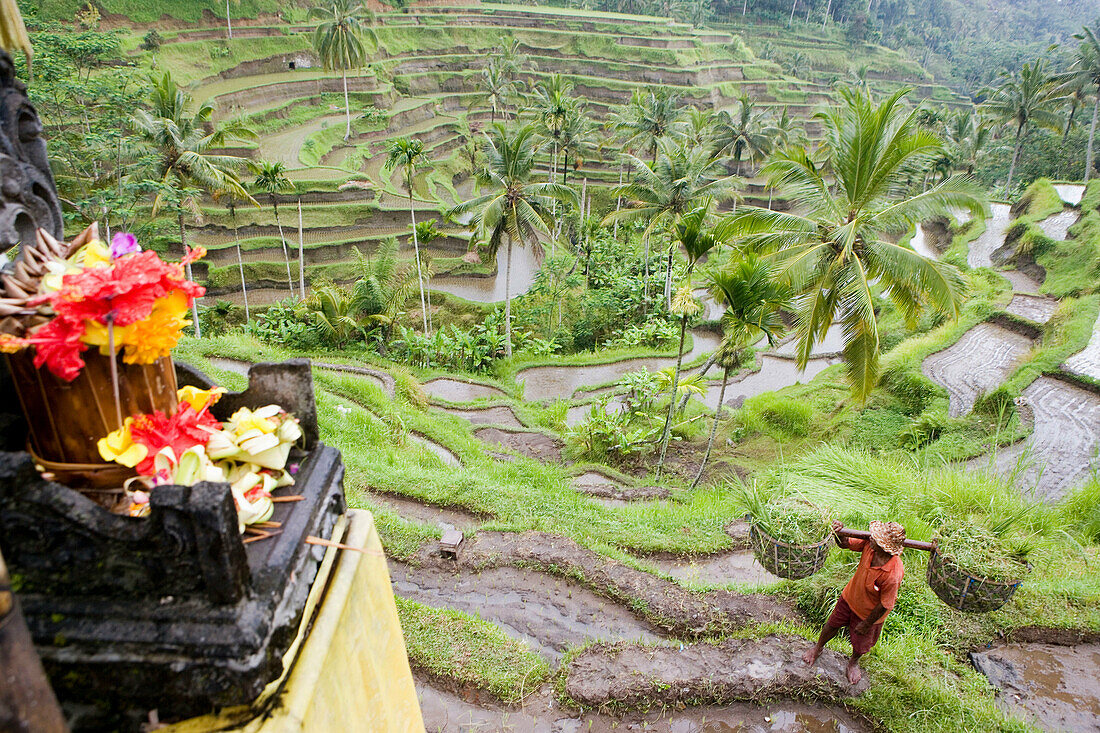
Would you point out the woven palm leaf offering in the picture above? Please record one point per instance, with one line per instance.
(88, 330)
(978, 564)
(789, 535)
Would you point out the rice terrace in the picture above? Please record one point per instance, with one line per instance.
(622, 315)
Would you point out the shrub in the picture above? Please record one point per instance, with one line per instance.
(152, 41)
(282, 325)
(777, 413)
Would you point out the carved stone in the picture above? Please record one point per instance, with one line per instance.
(28, 197)
(171, 611)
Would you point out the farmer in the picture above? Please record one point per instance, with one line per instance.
(869, 595)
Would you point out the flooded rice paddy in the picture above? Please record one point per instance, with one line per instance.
(979, 361)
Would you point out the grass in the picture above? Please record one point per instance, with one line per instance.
(467, 650)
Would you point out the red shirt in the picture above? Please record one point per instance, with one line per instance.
(871, 586)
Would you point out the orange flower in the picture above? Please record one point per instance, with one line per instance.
(150, 339)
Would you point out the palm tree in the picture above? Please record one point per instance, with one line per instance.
(515, 208)
(333, 311)
(498, 87)
(270, 178)
(338, 40)
(409, 155)
(834, 250)
(228, 22)
(1023, 99)
(697, 238)
(381, 288)
(660, 194)
(240, 260)
(649, 118)
(743, 133)
(182, 148)
(577, 139)
(967, 138)
(753, 298)
(1085, 73)
(553, 107)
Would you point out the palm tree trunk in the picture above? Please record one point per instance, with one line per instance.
(286, 250)
(1015, 156)
(1092, 137)
(228, 23)
(828, 9)
(713, 429)
(744, 8)
(194, 302)
(668, 270)
(416, 252)
(618, 202)
(301, 253)
(508, 298)
(645, 275)
(793, 6)
(347, 105)
(240, 264)
(667, 432)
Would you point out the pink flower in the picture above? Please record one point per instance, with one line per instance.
(122, 244)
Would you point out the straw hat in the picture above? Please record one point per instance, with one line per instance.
(890, 536)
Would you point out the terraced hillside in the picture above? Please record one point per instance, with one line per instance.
(425, 82)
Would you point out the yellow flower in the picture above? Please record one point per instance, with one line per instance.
(199, 398)
(93, 254)
(156, 336)
(119, 447)
(96, 334)
(244, 420)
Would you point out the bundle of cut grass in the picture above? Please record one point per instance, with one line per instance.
(978, 566)
(789, 535)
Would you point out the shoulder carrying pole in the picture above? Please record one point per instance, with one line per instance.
(861, 534)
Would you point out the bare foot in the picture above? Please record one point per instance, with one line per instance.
(854, 673)
(811, 655)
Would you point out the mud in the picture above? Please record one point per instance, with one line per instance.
(445, 454)
(1057, 227)
(443, 517)
(502, 416)
(550, 614)
(1060, 453)
(378, 377)
(598, 485)
(1033, 308)
(539, 446)
(991, 239)
(452, 390)
(1021, 282)
(285, 146)
(775, 373)
(1087, 361)
(549, 382)
(979, 361)
(230, 365)
(1055, 687)
(709, 673)
(445, 712)
(661, 602)
(1071, 193)
(492, 289)
(719, 569)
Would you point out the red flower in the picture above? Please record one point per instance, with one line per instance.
(179, 432)
(58, 345)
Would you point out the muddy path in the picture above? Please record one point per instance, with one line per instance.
(979, 361)
(709, 673)
(1035, 308)
(719, 569)
(550, 614)
(660, 602)
(550, 382)
(1057, 226)
(446, 712)
(1061, 450)
(1055, 687)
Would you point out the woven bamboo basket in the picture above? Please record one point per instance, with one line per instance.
(67, 419)
(792, 562)
(965, 592)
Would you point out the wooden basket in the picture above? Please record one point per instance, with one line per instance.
(66, 419)
(965, 592)
(792, 562)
